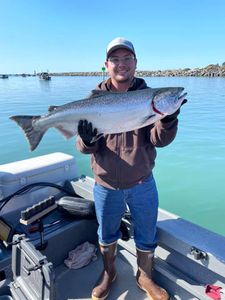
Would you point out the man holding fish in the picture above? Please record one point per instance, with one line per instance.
(121, 123)
(122, 164)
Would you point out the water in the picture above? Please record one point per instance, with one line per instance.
(190, 172)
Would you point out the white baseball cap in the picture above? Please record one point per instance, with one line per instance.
(119, 43)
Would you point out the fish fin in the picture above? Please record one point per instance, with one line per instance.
(66, 133)
(147, 118)
(97, 137)
(26, 123)
(98, 93)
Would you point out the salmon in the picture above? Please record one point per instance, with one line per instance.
(108, 112)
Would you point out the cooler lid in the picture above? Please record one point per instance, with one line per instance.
(12, 172)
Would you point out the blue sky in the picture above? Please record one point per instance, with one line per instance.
(71, 35)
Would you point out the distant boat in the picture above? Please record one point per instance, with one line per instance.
(4, 76)
(44, 76)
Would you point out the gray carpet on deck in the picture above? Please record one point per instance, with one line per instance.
(78, 284)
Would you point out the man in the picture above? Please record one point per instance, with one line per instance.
(122, 165)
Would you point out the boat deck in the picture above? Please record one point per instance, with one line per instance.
(188, 257)
(78, 284)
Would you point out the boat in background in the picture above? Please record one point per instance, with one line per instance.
(44, 76)
(4, 76)
(37, 234)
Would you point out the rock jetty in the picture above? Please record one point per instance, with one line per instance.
(209, 71)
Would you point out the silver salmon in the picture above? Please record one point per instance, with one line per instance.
(108, 112)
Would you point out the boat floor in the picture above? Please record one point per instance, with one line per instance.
(78, 284)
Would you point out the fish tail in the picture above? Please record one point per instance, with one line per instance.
(26, 123)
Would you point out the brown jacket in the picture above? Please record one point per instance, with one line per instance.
(120, 161)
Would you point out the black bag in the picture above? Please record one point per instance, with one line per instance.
(84, 208)
(78, 207)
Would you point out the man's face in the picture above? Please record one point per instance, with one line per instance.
(121, 65)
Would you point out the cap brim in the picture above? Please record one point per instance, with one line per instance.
(119, 47)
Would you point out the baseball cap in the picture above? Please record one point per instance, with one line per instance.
(119, 43)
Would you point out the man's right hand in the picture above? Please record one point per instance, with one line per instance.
(86, 132)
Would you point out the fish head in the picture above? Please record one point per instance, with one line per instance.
(167, 100)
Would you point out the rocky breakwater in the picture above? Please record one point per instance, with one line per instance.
(77, 74)
(209, 71)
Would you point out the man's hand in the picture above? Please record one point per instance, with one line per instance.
(86, 132)
(172, 117)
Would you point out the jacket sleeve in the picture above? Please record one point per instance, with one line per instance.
(83, 148)
(162, 134)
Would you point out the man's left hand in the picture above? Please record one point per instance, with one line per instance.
(172, 117)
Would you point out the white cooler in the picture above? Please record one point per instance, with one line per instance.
(53, 168)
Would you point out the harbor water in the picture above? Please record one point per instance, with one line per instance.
(190, 172)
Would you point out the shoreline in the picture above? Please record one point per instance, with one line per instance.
(209, 71)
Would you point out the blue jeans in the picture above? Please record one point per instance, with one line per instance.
(110, 206)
